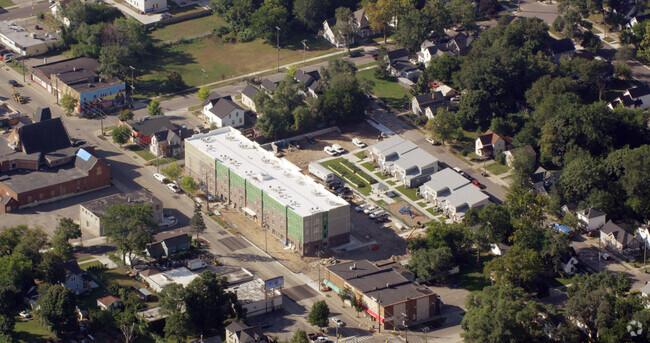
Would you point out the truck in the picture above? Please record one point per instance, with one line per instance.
(196, 264)
(321, 172)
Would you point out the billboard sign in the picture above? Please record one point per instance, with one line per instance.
(274, 283)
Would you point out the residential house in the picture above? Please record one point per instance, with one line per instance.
(405, 69)
(591, 219)
(90, 212)
(224, 112)
(625, 101)
(386, 294)
(389, 150)
(238, 332)
(143, 129)
(562, 48)
(431, 101)
(617, 239)
(397, 55)
(459, 45)
(148, 6)
(247, 95)
(643, 234)
(645, 293)
(109, 302)
(489, 143)
(40, 164)
(499, 249)
(462, 200)
(361, 26)
(441, 186)
(329, 33)
(269, 85)
(510, 154)
(568, 265)
(254, 301)
(169, 246)
(78, 77)
(168, 143)
(429, 51)
(637, 97)
(310, 81)
(543, 180)
(415, 167)
(75, 279)
(568, 208)
(637, 19)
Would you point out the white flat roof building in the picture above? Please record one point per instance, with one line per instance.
(25, 43)
(181, 276)
(252, 296)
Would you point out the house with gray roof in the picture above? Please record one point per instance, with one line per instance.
(618, 239)
(415, 167)
(247, 95)
(385, 152)
(224, 111)
(310, 80)
(269, 85)
(169, 246)
(75, 279)
(591, 219)
(462, 200)
(238, 332)
(433, 100)
(441, 185)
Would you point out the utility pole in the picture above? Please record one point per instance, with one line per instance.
(277, 37)
(24, 63)
(304, 51)
(379, 315)
(203, 76)
(132, 85)
(645, 249)
(320, 281)
(426, 329)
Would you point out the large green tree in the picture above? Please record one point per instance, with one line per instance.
(443, 127)
(56, 309)
(197, 225)
(517, 268)
(319, 315)
(121, 135)
(431, 264)
(345, 28)
(64, 232)
(127, 225)
(208, 303)
(271, 15)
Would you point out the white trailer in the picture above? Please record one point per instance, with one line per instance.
(321, 172)
(196, 264)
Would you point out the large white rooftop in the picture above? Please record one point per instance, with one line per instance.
(278, 177)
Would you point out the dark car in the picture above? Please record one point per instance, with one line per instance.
(296, 144)
(310, 140)
(382, 219)
(355, 54)
(13, 82)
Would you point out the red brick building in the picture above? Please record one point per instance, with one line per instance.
(39, 164)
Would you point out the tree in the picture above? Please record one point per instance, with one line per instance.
(50, 269)
(319, 315)
(64, 232)
(203, 94)
(121, 135)
(489, 7)
(207, 301)
(357, 304)
(299, 337)
(114, 61)
(125, 115)
(175, 81)
(154, 108)
(267, 17)
(379, 15)
(622, 71)
(342, 103)
(172, 298)
(7, 325)
(68, 102)
(189, 185)
(56, 309)
(523, 165)
(463, 13)
(431, 264)
(173, 172)
(15, 272)
(518, 267)
(591, 42)
(502, 314)
(442, 68)
(344, 29)
(197, 225)
(126, 226)
(443, 126)
(177, 327)
(310, 13)
(413, 29)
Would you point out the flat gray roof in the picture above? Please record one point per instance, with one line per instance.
(23, 38)
(468, 194)
(415, 158)
(98, 206)
(446, 179)
(393, 144)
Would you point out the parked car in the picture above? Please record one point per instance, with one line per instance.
(13, 82)
(370, 209)
(355, 54)
(358, 142)
(477, 184)
(593, 233)
(339, 149)
(25, 314)
(382, 219)
(377, 214)
(467, 176)
(457, 170)
(431, 141)
(338, 321)
(328, 150)
(173, 187)
(159, 177)
(360, 207)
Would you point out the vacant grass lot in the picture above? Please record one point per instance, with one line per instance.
(186, 29)
(220, 59)
(31, 331)
(497, 168)
(142, 153)
(387, 90)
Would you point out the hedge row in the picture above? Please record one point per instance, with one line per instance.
(344, 173)
(358, 171)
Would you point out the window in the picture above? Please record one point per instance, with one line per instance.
(99, 170)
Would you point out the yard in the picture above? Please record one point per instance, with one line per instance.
(6, 3)
(142, 153)
(332, 165)
(497, 168)
(387, 90)
(410, 193)
(31, 331)
(369, 166)
(187, 29)
(466, 143)
(220, 59)
(471, 276)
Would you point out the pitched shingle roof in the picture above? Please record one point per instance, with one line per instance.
(45, 136)
(150, 125)
(592, 213)
(619, 232)
(250, 91)
(639, 91)
(176, 240)
(211, 99)
(399, 53)
(223, 107)
(42, 114)
(72, 267)
(268, 84)
(430, 98)
(489, 138)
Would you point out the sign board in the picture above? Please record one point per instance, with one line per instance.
(274, 283)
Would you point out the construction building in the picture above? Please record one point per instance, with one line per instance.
(387, 296)
(270, 190)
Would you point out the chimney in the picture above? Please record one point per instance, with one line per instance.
(44, 60)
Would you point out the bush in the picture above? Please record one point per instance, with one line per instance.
(230, 37)
(222, 30)
(40, 15)
(246, 35)
(420, 121)
(464, 152)
(500, 157)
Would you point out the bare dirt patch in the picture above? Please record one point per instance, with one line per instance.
(417, 215)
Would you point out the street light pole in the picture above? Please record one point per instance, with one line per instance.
(132, 85)
(304, 51)
(277, 37)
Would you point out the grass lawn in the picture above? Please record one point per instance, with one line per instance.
(422, 204)
(361, 154)
(381, 202)
(379, 175)
(392, 183)
(365, 190)
(471, 276)
(187, 29)
(6, 3)
(369, 166)
(408, 192)
(558, 281)
(466, 143)
(148, 156)
(608, 39)
(31, 331)
(388, 90)
(220, 59)
(119, 274)
(497, 168)
(167, 160)
(433, 211)
(85, 266)
(79, 260)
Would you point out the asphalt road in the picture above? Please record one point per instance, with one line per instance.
(24, 10)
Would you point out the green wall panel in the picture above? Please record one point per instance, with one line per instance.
(295, 227)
